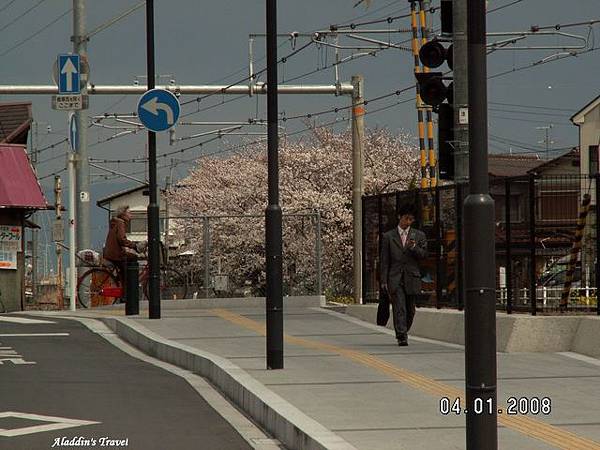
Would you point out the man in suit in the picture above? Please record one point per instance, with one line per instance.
(401, 250)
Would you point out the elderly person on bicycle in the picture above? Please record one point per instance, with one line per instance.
(118, 249)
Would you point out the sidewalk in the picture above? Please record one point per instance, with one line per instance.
(346, 383)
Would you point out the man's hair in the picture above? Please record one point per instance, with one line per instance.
(121, 210)
(406, 209)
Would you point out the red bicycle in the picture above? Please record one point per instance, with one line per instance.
(100, 285)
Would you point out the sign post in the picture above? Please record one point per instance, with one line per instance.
(72, 130)
(158, 110)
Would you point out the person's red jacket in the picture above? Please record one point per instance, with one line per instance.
(116, 241)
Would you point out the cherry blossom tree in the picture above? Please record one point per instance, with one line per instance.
(315, 174)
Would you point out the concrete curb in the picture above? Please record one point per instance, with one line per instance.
(514, 332)
(280, 418)
(233, 302)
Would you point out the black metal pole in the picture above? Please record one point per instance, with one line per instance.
(273, 213)
(460, 251)
(479, 217)
(508, 251)
(532, 256)
(132, 305)
(153, 221)
(597, 261)
(438, 250)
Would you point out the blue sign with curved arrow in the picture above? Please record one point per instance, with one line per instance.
(158, 109)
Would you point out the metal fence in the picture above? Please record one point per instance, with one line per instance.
(224, 256)
(545, 234)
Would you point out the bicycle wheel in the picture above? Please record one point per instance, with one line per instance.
(173, 285)
(91, 287)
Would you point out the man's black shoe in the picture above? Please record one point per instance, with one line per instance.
(402, 342)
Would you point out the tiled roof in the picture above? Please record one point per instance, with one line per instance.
(15, 119)
(506, 165)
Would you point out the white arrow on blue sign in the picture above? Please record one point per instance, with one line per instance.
(68, 74)
(73, 132)
(158, 109)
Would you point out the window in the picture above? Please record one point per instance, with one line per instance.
(138, 225)
(593, 158)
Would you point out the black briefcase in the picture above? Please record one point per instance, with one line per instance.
(383, 309)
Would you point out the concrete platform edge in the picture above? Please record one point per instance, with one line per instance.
(514, 332)
(277, 416)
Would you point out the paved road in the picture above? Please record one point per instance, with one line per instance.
(63, 386)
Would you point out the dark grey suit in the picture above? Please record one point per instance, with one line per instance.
(400, 271)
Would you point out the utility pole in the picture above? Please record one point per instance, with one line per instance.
(72, 232)
(547, 140)
(461, 91)
(460, 82)
(82, 170)
(479, 216)
(34, 235)
(273, 233)
(358, 133)
(58, 237)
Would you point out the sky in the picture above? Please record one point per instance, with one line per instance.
(207, 43)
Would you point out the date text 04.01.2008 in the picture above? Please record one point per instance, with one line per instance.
(514, 406)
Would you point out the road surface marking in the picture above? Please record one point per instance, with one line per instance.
(23, 320)
(32, 334)
(550, 434)
(55, 423)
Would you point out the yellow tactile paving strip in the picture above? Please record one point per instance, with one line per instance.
(549, 434)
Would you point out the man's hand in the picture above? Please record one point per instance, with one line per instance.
(412, 243)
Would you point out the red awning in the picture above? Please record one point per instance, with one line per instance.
(19, 186)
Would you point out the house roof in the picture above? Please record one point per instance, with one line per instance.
(511, 165)
(572, 155)
(111, 197)
(15, 120)
(579, 117)
(19, 186)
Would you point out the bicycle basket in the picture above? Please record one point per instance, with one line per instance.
(89, 257)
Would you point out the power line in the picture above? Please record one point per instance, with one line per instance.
(7, 5)
(495, 116)
(558, 26)
(528, 112)
(283, 59)
(498, 8)
(257, 141)
(12, 22)
(45, 27)
(533, 106)
(539, 63)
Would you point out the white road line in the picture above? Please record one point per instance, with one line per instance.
(56, 423)
(22, 320)
(32, 334)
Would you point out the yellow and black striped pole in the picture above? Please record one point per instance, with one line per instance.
(430, 147)
(575, 251)
(419, 102)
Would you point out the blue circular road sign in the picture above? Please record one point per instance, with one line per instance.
(158, 109)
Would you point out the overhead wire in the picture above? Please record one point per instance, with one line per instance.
(257, 141)
(16, 19)
(31, 36)
(7, 5)
(498, 8)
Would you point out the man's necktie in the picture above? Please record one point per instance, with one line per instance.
(403, 237)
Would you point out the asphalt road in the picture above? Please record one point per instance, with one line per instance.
(54, 375)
